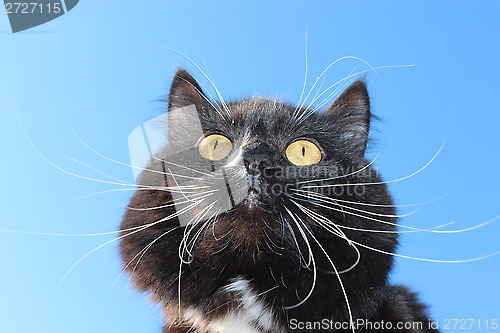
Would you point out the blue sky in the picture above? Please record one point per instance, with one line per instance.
(100, 69)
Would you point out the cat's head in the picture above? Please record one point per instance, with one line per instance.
(257, 185)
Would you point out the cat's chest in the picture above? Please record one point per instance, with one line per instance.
(252, 315)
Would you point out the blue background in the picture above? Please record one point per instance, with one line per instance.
(101, 68)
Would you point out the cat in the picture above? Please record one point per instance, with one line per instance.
(262, 216)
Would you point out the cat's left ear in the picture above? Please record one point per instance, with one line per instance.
(351, 115)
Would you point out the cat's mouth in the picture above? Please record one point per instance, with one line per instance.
(253, 197)
(254, 191)
(257, 199)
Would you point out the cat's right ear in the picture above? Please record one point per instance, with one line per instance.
(184, 91)
(351, 114)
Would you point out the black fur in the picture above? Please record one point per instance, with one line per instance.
(256, 238)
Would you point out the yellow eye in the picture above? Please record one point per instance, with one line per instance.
(215, 147)
(303, 152)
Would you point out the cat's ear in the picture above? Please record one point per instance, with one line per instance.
(351, 115)
(184, 91)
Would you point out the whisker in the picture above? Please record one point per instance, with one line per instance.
(337, 273)
(123, 236)
(91, 168)
(384, 182)
(39, 153)
(321, 75)
(337, 231)
(317, 96)
(305, 75)
(311, 256)
(371, 69)
(314, 282)
(203, 73)
(165, 189)
(182, 261)
(216, 108)
(320, 87)
(89, 234)
(183, 166)
(319, 196)
(430, 260)
(374, 219)
(342, 176)
(171, 203)
(396, 206)
(69, 172)
(327, 224)
(301, 256)
(143, 251)
(191, 243)
(184, 244)
(224, 105)
(309, 111)
(323, 198)
(177, 184)
(125, 164)
(342, 85)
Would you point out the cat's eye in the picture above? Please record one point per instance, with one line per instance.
(215, 147)
(303, 152)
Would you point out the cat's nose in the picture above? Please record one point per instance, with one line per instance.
(256, 158)
(255, 164)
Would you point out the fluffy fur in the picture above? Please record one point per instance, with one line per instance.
(275, 243)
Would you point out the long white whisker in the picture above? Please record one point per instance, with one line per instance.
(323, 73)
(191, 243)
(184, 244)
(337, 273)
(315, 216)
(202, 195)
(384, 182)
(224, 105)
(373, 219)
(292, 232)
(181, 261)
(125, 164)
(93, 234)
(183, 166)
(433, 229)
(39, 153)
(305, 76)
(123, 236)
(374, 69)
(342, 176)
(202, 72)
(308, 111)
(91, 168)
(429, 260)
(323, 198)
(164, 189)
(311, 255)
(327, 223)
(143, 251)
(86, 234)
(342, 85)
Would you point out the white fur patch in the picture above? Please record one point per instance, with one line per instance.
(253, 316)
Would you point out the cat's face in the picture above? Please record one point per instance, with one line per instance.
(258, 185)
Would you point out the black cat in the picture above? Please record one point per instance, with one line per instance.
(260, 216)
